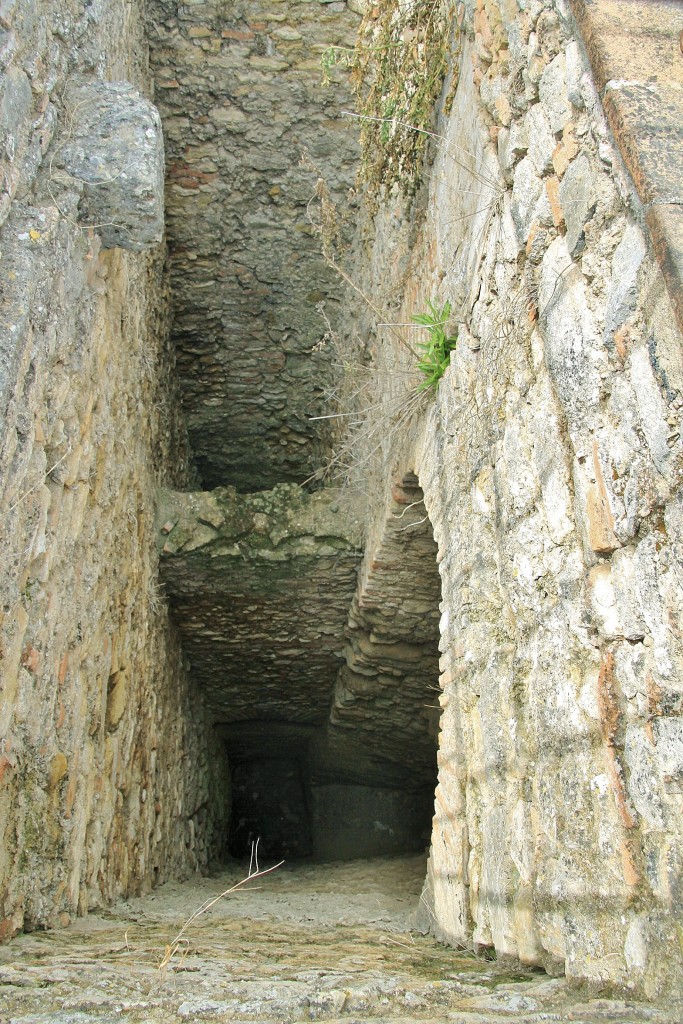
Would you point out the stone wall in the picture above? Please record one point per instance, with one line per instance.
(110, 780)
(550, 461)
(239, 87)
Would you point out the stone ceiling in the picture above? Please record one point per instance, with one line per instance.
(284, 644)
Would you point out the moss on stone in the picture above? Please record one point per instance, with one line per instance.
(401, 64)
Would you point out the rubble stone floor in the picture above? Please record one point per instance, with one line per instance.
(311, 942)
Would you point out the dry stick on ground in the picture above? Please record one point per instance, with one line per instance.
(39, 483)
(173, 948)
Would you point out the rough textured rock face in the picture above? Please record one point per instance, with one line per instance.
(551, 464)
(239, 89)
(99, 797)
(114, 146)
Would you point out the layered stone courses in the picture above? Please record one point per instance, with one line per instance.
(98, 798)
(549, 463)
(239, 87)
(384, 697)
(551, 466)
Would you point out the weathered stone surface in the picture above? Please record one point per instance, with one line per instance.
(626, 262)
(278, 565)
(97, 796)
(114, 148)
(648, 121)
(16, 102)
(635, 55)
(666, 230)
(578, 198)
(541, 139)
(383, 706)
(640, 37)
(553, 94)
(512, 145)
(333, 942)
(549, 462)
(240, 93)
(529, 198)
(551, 470)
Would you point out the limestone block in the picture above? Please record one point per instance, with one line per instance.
(552, 472)
(651, 407)
(542, 142)
(636, 944)
(621, 297)
(114, 147)
(649, 587)
(574, 71)
(643, 777)
(578, 196)
(669, 739)
(572, 348)
(16, 102)
(565, 150)
(518, 36)
(529, 198)
(552, 91)
(512, 145)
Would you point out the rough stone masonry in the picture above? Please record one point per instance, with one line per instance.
(533, 502)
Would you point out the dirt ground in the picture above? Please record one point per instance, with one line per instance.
(305, 943)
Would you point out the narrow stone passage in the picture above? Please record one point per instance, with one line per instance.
(281, 560)
(331, 942)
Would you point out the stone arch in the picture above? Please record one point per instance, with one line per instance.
(329, 761)
(382, 734)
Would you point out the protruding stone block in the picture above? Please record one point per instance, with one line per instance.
(553, 94)
(115, 149)
(578, 197)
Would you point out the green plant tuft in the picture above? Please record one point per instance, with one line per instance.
(435, 352)
(400, 65)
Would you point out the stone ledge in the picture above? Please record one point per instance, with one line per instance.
(260, 586)
(665, 224)
(633, 39)
(635, 53)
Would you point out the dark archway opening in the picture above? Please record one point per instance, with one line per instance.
(271, 797)
(360, 781)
